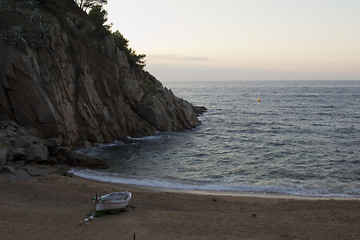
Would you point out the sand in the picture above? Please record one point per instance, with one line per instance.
(53, 207)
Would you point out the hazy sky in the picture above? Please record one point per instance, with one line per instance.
(192, 40)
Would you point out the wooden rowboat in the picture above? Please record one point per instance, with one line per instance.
(112, 201)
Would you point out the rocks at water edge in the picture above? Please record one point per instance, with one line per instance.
(22, 175)
(18, 149)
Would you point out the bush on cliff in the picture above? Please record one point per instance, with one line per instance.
(58, 9)
(123, 44)
(98, 17)
(86, 4)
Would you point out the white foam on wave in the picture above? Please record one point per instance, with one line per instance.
(157, 183)
(144, 139)
(116, 178)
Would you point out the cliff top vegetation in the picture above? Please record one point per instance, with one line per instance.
(27, 23)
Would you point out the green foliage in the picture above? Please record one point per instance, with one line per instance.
(123, 44)
(58, 8)
(16, 36)
(120, 42)
(44, 30)
(26, 26)
(88, 4)
(19, 36)
(137, 59)
(35, 15)
(36, 31)
(150, 88)
(98, 16)
(31, 4)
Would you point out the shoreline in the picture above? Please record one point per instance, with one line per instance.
(54, 205)
(222, 192)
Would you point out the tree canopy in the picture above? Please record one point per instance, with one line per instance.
(88, 4)
(123, 44)
(99, 16)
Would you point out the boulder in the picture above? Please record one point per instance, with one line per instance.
(60, 153)
(34, 171)
(11, 134)
(14, 124)
(3, 139)
(80, 159)
(37, 153)
(200, 109)
(18, 164)
(4, 123)
(52, 142)
(21, 132)
(3, 157)
(11, 128)
(21, 175)
(8, 169)
(35, 140)
(65, 155)
(19, 153)
(21, 143)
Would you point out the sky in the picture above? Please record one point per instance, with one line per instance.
(214, 40)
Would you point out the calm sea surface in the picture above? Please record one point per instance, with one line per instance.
(301, 138)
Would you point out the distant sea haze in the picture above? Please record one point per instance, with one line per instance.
(285, 137)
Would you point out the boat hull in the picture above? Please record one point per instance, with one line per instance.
(111, 204)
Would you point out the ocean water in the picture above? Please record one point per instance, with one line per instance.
(301, 138)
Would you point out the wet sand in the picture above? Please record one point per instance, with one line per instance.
(53, 207)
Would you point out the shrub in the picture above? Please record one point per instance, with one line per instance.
(16, 35)
(31, 4)
(44, 30)
(58, 9)
(35, 15)
(98, 17)
(86, 4)
(123, 44)
(120, 41)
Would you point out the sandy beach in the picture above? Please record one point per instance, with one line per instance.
(53, 206)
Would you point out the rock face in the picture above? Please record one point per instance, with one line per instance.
(80, 89)
(61, 86)
(18, 147)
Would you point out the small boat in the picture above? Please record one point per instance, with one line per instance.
(112, 201)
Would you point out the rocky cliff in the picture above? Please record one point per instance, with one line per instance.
(61, 83)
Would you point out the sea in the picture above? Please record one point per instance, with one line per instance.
(297, 138)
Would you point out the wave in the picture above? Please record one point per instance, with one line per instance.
(157, 183)
(143, 139)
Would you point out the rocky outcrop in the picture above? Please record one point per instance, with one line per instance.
(61, 88)
(22, 175)
(77, 88)
(72, 158)
(18, 147)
